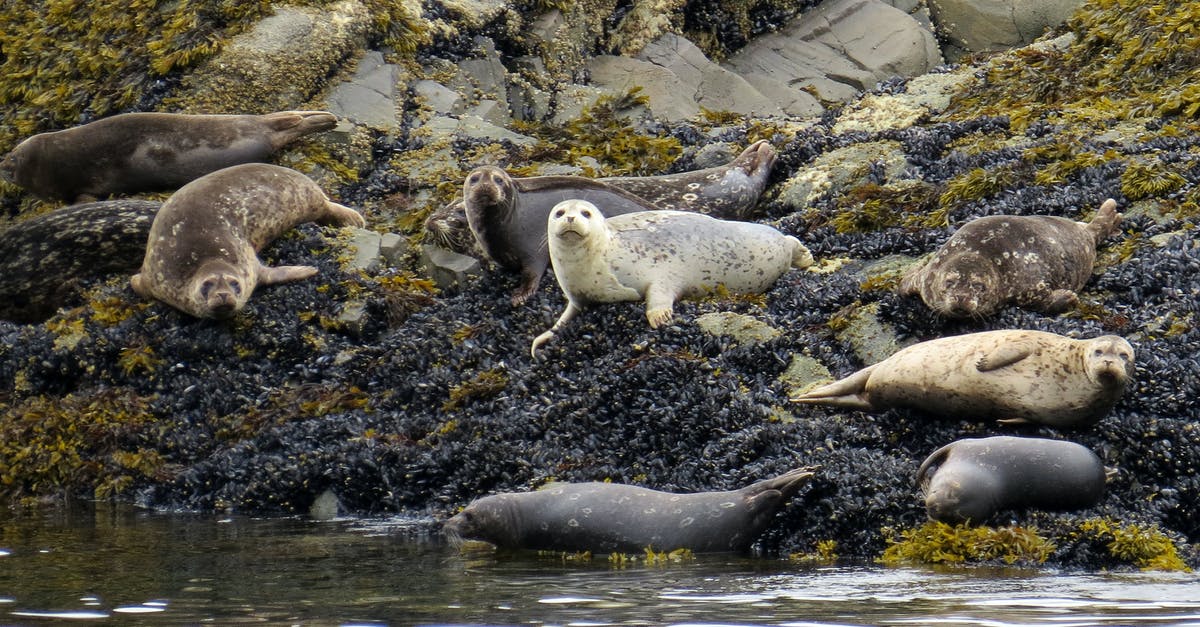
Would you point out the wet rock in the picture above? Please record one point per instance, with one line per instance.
(923, 96)
(871, 338)
(370, 96)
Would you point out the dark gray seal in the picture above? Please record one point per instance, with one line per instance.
(609, 517)
(728, 191)
(46, 261)
(507, 215)
(970, 480)
(1014, 376)
(202, 252)
(140, 152)
(1033, 262)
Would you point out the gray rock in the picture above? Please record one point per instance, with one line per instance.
(474, 127)
(803, 374)
(871, 338)
(745, 330)
(393, 247)
(448, 269)
(438, 97)
(714, 154)
(366, 247)
(841, 168)
(370, 97)
(484, 78)
(983, 25)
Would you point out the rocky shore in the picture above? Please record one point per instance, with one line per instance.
(399, 380)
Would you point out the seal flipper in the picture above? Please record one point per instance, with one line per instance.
(139, 287)
(1055, 301)
(531, 278)
(849, 392)
(341, 215)
(268, 275)
(1105, 221)
(304, 122)
(539, 341)
(1005, 355)
(786, 484)
(660, 305)
(930, 465)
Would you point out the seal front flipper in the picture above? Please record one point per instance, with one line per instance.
(539, 341)
(298, 123)
(341, 215)
(531, 278)
(1052, 302)
(1005, 355)
(850, 392)
(268, 275)
(660, 305)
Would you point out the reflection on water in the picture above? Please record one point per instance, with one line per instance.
(147, 568)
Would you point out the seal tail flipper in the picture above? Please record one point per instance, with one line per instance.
(801, 256)
(930, 465)
(300, 122)
(1105, 221)
(786, 484)
(849, 392)
(268, 275)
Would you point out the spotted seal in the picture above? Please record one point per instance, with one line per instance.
(139, 152)
(47, 260)
(608, 517)
(726, 191)
(970, 480)
(659, 257)
(1033, 262)
(202, 253)
(507, 215)
(1014, 376)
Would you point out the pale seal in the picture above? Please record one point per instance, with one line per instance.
(727, 191)
(610, 517)
(1014, 376)
(659, 257)
(140, 152)
(508, 216)
(1033, 262)
(47, 260)
(202, 254)
(970, 480)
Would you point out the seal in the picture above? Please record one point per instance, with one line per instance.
(508, 216)
(970, 480)
(1033, 262)
(609, 517)
(141, 152)
(202, 252)
(1014, 376)
(728, 191)
(659, 257)
(48, 260)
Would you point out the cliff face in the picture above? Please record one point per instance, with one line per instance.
(403, 401)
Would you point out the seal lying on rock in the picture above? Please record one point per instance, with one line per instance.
(46, 261)
(138, 152)
(970, 480)
(659, 256)
(1012, 375)
(1033, 262)
(202, 255)
(608, 517)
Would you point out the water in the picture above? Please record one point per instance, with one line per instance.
(118, 565)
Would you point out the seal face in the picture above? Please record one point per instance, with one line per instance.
(1033, 262)
(970, 480)
(202, 255)
(607, 517)
(47, 260)
(137, 152)
(508, 216)
(1014, 376)
(659, 256)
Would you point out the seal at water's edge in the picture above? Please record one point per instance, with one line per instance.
(970, 480)
(202, 253)
(659, 257)
(507, 215)
(46, 261)
(1014, 376)
(1033, 262)
(608, 517)
(142, 152)
(726, 191)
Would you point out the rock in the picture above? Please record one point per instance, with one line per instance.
(438, 97)
(988, 25)
(743, 329)
(448, 269)
(836, 51)
(281, 62)
(802, 374)
(678, 80)
(325, 506)
(484, 80)
(841, 168)
(473, 127)
(366, 248)
(925, 95)
(393, 247)
(871, 339)
(370, 96)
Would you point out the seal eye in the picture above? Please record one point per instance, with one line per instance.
(474, 178)
(205, 288)
(587, 215)
(497, 180)
(560, 213)
(236, 286)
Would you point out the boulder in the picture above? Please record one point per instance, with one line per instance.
(987, 25)
(370, 96)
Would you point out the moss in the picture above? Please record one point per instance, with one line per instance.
(486, 384)
(939, 543)
(1147, 548)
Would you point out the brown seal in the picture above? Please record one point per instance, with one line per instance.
(139, 152)
(202, 255)
(970, 480)
(508, 216)
(1011, 375)
(728, 191)
(47, 260)
(608, 517)
(1033, 262)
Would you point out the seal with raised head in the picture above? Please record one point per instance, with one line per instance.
(970, 480)
(46, 261)
(1033, 262)
(608, 517)
(659, 257)
(141, 152)
(202, 254)
(507, 215)
(1014, 376)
